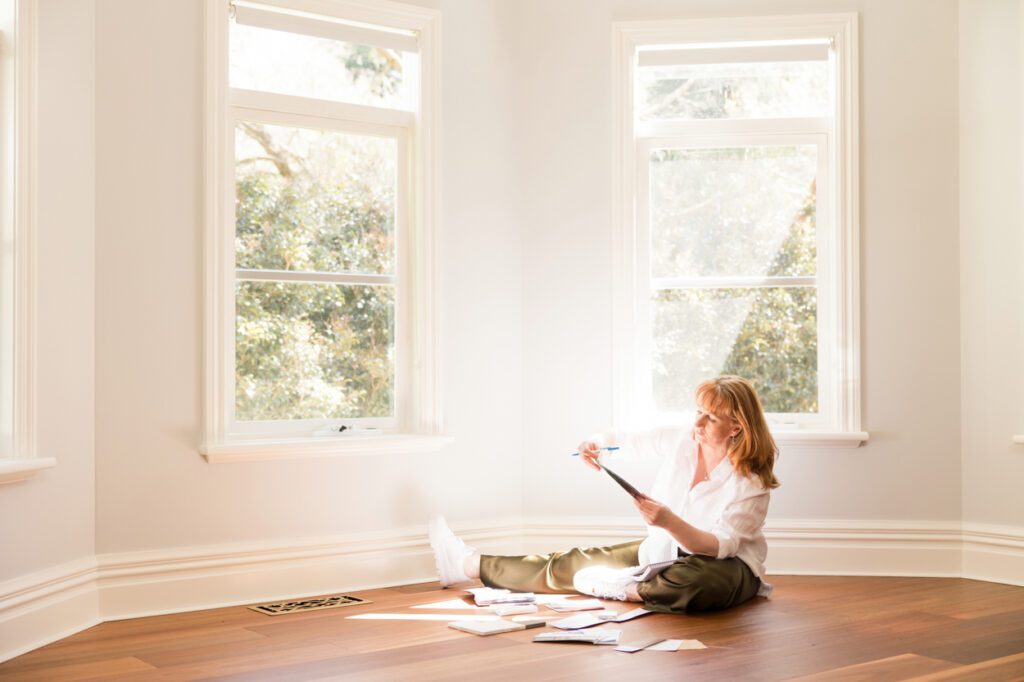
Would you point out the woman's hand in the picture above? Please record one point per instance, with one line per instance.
(654, 512)
(589, 452)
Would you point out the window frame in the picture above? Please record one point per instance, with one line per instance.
(285, 111)
(417, 424)
(838, 421)
(19, 188)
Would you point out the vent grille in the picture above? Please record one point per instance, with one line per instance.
(312, 604)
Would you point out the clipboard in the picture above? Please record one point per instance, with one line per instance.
(626, 485)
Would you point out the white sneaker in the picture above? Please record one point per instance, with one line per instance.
(449, 553)
(603, 582)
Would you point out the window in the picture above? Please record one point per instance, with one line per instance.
(737, 252)
(18, 456)
(7, 237)
(320, 227)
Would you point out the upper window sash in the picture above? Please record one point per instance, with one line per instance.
(753, 81)
(291, 19)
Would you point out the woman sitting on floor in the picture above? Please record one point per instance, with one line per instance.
(704, 516)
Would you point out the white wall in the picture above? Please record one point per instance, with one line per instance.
(991, 249)
(49, 520)
(910, 346)
(154, 489)
(47, 523)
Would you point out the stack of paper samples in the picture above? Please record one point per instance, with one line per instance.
(585, 636)
(575, 605)
(659, 644)
(513, 609)
(487, 596)
(584, 620)
(493, 627)
(591, 618)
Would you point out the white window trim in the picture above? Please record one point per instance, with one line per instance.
(423, 431)
(842, 29)
(24, 462)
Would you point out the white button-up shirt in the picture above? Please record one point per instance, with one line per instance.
(730, 506)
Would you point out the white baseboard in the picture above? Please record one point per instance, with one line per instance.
(49, 605)
(905, 548)
(137, 584)
(46, 606)
(993, 553)
(880, 548)
(547, 534)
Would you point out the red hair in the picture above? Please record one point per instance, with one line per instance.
(752, 451)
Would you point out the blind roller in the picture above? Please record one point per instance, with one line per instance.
(324, 27)
(740, 54)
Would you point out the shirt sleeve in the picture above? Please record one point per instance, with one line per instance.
(655, 443)
(741, 519)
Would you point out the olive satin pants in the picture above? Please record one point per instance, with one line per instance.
(692, 583)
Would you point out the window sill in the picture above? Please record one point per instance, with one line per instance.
(14, 470)
(831, 440)
(327, 446)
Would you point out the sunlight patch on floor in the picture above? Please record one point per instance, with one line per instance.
(417, 616)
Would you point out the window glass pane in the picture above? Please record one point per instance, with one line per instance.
(761, 90)
(314, 200)
(736, 211)
(307, 66)
(767, 335)
(309, 351)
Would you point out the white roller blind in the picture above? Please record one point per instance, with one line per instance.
(740, 54)
(252, 14)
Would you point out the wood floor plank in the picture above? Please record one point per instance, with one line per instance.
(95, 670)
(976, 603)
(536, 663)
(249, 666)
(384, 639)
(200, 652)
(995, 670)
(976, 639)
(894, 668)
(823, 644)
(126, 645)
(480, 648)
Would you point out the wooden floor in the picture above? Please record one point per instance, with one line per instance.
(816, 627)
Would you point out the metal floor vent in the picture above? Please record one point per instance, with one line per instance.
(312, 604)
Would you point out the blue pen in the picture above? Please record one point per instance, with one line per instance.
(614, 447)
